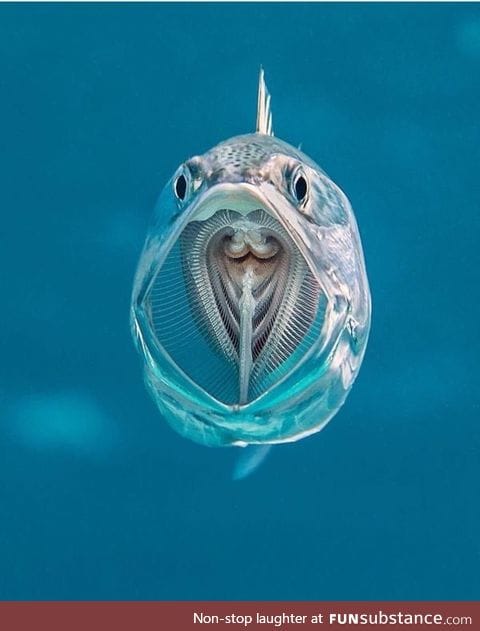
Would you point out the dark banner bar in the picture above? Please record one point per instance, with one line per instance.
(213, 616)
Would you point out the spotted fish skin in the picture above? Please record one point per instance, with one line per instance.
(257, 270)
(235, 158)
(243, 158)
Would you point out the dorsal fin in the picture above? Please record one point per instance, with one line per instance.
(264, 114)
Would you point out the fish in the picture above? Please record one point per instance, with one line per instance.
(251, 306)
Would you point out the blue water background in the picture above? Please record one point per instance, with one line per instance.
(99, 499)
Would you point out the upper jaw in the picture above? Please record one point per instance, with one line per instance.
(240, 197)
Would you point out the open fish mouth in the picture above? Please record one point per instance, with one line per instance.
(235, 304)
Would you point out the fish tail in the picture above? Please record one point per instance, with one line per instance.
(249, 460)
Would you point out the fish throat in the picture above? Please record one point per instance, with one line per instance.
(251, 293)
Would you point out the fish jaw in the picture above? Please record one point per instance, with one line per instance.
(246, 287)
(300, 402)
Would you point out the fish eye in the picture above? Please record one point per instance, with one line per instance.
(180, 187)
(182, 184)
(300, 187)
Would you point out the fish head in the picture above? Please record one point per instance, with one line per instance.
(252, 274)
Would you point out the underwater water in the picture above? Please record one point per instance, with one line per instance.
(99, 498)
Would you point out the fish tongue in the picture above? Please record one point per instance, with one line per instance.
(247, 309)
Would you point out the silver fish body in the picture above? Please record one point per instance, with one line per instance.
(251, 306)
